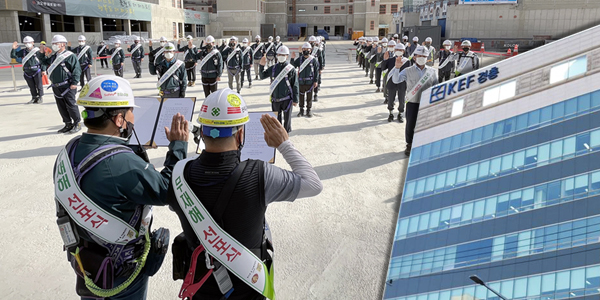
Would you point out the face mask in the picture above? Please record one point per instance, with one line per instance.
(281, 58)
(398, 53)
(231, 45)
(427, 44)
(81, 43)
(421, 61)
(127, 132)
(29, 45)
(136, 42)
(169, 55)
(466, 49)
(447, 47)
(55, 48)
(391, 49)
(162, 44)
(117, 45)
(257, 41)
(415, 43)
(384, 45)
(244, 44)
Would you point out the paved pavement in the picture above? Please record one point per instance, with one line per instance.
(333, 246)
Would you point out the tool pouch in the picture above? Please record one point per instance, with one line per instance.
(159, 246)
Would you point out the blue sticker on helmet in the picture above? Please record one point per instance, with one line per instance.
(109, 85)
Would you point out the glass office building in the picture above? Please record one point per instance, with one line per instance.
(504, 182)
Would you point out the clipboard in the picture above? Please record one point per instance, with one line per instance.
(255, 146)
(154, 113)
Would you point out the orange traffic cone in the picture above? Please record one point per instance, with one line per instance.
(516, 49)
(509, 53)
(482, 47)
(45, 80)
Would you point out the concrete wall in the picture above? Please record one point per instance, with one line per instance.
(9, 26)
(163, 16)
(277, 14)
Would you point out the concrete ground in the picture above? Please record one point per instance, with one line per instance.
(333, 246)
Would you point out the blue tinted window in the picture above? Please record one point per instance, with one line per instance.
(582, 143)
(558, 111)
(425, 152)
(477, 135)
(595, 139)
(445, 145)
(578, 67)
(478, 209)
(415, 155)
(571, 107)
(461, 175)
(556, 149)
(472, 173)
(553, 190)
(455, 142)
(545, 115)
(569, 146)
(440, 181)
(498, 129)
(507, 162)
(484, 168)
(595, 181)
(519, 160)
(466, 138)
(495, 165)
(543, 153)
(533, 118)
(488, 130)
(435, 149)
(430, 184)
(451, 178)
(531, 156)
(595, 99)
(521, 122)
(509, 125)
(533, 286)
(583, 103)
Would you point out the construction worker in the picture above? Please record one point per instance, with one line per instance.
(105, 191)
(85, 56)
(367, 55)
(156, 55)
(33, 67)
(211, 66)
(284, 89)
(466, 61)
(173, 77)
(396, 89)
(270, 52)
(320, 41)
(320, 56)
(389, 60)
(190, 57)
(258, 51)
(372, 58)
(381, 49)
(102, 51)
(233, 62)
(246, 62)
(137, 55)
(418, 78)
(217, 195)
(277, 42)
(446, 65)
(64, 72)
(406, 45)
(413, 47)
(359, 50)
(117, 58)
(431, 49)
(308, 77)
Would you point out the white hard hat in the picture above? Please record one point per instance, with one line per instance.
(362, 38)
(28, 39)
(384, 40)
(421, 51)
(396, 35)
(163, 39)
(222, 109)
(106, 91)
(189, 37)
(447, 43)
(399, 46)
(312, 38)
(277, 38)
(392, 43)
(376, 39)
(270, 38)
(245, 40)
(136, 38)
(416, 39)
(369, 39)
(233, 38)
(81, 38)
(59, 39)
(118, 42)
(428, 39)
(210, 39)
(169, 47)
(405, 37)
(257, 37)
(466, 43)
(283, 50)
(306, 45)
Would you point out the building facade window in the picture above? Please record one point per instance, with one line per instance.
(499, 93)
(382, 9)
(327, 28)
(327, 1)
(343, 7)
(372, 2)
(372, 26)
(568, 70)
(457, 107)
(394, 8)
(350, 9)
(327, 9)
(315, 8)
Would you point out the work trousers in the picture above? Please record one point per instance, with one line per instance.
(137, 66)
(231, 74)
(378, 77)
(118, 69)
(283, 109)
(67, 106)
(246, 70)
(385, 83)
(371, 70)
(361, 60)
(138, 289)
(366, 65)
(36, 88)
(306, 91)
(85, 74)
(209, 85)
(257, 68)
(412, 110)
(103, 62)
(444, 75)
(393, 91)
(190, 69)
